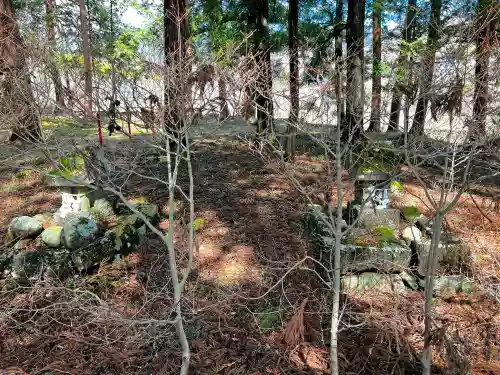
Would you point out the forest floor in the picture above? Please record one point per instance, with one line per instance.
(246, 310)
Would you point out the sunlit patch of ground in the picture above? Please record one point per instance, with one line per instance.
(236, 266)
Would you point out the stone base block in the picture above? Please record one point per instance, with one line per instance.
(387, 217)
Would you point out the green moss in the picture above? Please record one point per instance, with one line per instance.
(384, 234)
(410, 212)
(269, 320)
(198, 223)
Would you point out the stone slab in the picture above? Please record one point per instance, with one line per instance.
(369, 282)
(387, 257)
(372, 218)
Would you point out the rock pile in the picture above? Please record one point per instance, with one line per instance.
(392, 257)
(40, 248)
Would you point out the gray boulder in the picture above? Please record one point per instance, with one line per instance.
(453, 253)
(24, 227)
(79, 232)
(371, 218)
(447, 286)
(51, 237)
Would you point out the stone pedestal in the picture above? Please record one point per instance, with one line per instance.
(372, 218)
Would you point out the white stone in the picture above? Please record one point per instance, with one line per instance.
(412, 234)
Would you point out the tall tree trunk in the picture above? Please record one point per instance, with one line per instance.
(224, 111)
(376, 66)
(485, 29)
(50, 16)
(339, 18)
(428, 61)
(261, 94)
(293, 120)
(402, 64)
(355, 93)
(16, 98)
(175, 49)
(87, 58)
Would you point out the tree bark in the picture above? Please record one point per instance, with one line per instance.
(261, 93)
(224, 111)
(17, 103)
(87, 58)
(402, 64)
(339, 64)
(376, 66)
(178, 68)
(293, 120)
(428, 61)
(355, 82)
(50, 16)
(485, 29)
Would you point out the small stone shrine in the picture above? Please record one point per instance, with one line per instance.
(382, 246)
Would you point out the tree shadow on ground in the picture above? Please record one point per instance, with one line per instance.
(254, 234)
(237, 300)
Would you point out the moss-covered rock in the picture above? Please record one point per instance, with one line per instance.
(28, 265)
(149, 210)
(24, 227)
(79, 232)
(58, 264)
(93, 254)
(102, 210)
(453, 254)
(129, 234)
(51, 237)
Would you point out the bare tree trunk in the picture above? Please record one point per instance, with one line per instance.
(339, 18)
(429, 283)
(428, 61)
(401, 66)
(69, 95)
(16, 98)
(175, 48)
(355, 94)
(50, 16)
(224, 111)
(293, 121)
(376, 66)
(261, 94)
(87, 58)
(485, 29)
(175, 80)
